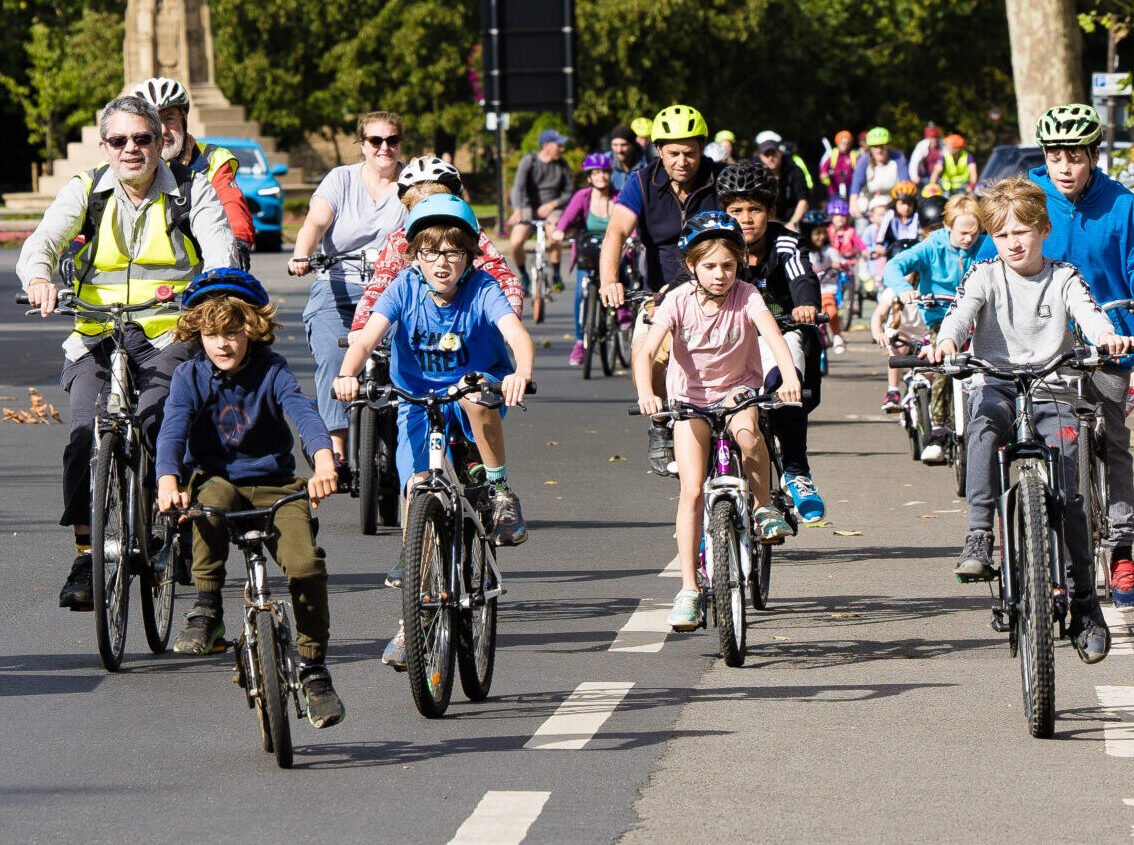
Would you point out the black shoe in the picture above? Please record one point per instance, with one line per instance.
(204, 631)
(77, 592)
(661, 450)
(1088, 630)
(324, 707)
(508, 527)
(975, 563)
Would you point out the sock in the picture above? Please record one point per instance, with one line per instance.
(83, 544)
(497, 476)
(210, 599)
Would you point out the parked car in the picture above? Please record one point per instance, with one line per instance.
(257, 181)
(1009, 160)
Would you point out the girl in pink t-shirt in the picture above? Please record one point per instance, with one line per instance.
(716, 323)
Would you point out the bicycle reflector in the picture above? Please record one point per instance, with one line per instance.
(164, 293)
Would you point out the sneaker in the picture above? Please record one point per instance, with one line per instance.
(508, 527)
(394, 655)
(557, 284)
(686, 612)
(772, 526)
(660, 452)
(1088, 630)
(934, 450)
(624, 316)
(892, 402)
(576, 356)
(975, 562)
(204, 630)
(324, 707)
(394, 576)
(1121, 582)
(838, 345)
(808, 503)
(77, 592)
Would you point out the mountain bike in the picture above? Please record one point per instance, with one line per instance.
(733, 560)
(371, 448)
(450, 581)
(123, 504)
(1031, 504)
(539, 269)
(267, 664)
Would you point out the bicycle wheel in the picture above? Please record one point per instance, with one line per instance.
(728, 582)
(590, 328)
(159, 587)
(428, 618)
(1092, 486)
(623, 339)
(609, 346)
(960, 450)
(476, 643)
(761, 580)
(539, 290)
(1034, 619)
(924, 425)
(368, 471)
(846, 306)
(110, 543)
(273, 691)
(388, 489)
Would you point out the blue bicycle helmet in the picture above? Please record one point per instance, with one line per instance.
(227, 281)
(444, 209)
(709, 224)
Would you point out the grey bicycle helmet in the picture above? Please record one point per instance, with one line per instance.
(163, 93)
(429, 169)
(749, 180)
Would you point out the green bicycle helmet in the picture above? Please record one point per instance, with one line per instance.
(879, 136)
(678, 123)
(1069, 125)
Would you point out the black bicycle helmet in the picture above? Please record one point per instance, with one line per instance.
(749, 180)
(899, 246)
(931, 212)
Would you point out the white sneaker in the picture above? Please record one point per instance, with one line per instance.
(394, 654)
(838, 345)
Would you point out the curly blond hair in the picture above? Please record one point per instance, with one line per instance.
(228, 315)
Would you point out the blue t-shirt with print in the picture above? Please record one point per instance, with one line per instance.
(435, 345)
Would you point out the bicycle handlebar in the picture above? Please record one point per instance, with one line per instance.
(388, 394)
(323, 261)
(1123, 304)
(678, 410)
(199, 511)
(1079, 357)
(786, 321)
(67, 303)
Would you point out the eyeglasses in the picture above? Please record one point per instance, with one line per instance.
(376, 141)
(140, 139)
(452, 256)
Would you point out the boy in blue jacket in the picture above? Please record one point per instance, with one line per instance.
(225, 435)
(1092, 227)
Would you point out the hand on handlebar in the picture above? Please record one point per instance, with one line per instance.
(1116, 344)
(512, 389)
(170, 496)
(613, 295)
(324, 480)
(935, 355)
(43, 295)
(804, 314)
(908, 296)
(650, 404)
(298, 266)
(790, 390)
(346, 388)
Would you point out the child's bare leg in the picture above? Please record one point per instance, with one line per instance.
(753, 454)
(488, 432)
(893, 378)
(691, 446)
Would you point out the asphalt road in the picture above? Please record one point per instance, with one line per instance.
(875, 703)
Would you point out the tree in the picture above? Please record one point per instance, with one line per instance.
(1046, 55)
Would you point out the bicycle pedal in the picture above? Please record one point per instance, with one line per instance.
(772, 541)
(221, 646)
(999, 622)
(977, 579)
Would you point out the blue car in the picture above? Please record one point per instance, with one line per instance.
(257, 181)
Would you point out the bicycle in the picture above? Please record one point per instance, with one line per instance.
(633, 284)
(449, 575)
(371, 449)
(540, 269)
(915, 416)
(1031, 505)
(266, 661)
(600, 323)
(123, 505)
(727, 566)
(360, 263)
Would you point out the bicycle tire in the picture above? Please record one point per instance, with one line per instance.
(159, 589)
(476, 643)
(388, 488)
(609, 346)
(623, 339)
(273, 690)
(590, 329)
(1094, 507)
(960, 451)
(760, 583)
(110, 573)
(538, 284)
(728, 582)
(429, 631)
(1035, 617)
(924, 421)
(910, 425)
(368, 471)
(846, 307)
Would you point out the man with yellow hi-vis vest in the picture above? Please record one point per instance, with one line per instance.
(144, 225)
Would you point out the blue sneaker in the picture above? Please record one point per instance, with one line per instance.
(686, 612)
(808, 503)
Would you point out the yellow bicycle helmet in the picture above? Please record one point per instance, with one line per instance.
(678, 123)
(1070, 125)
(641, 126)
(879, 136)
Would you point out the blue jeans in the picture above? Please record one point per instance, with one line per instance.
(580, 277)
(326, 318)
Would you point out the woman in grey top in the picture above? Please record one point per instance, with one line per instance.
(355, 207)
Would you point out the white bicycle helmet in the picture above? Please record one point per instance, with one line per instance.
(1070, 125)
(163, 93)
(429, 169)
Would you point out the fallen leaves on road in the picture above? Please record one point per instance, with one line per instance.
(550, 483)
(614, 458)
(821, 524)
(39, 412)
(914, 502)
(930, 516)
(568, 337)
(545, 344)
(844, 615)
(848, 533)
(778, 637)
(552, 442)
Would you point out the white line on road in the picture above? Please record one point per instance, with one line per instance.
(1119, 736)
(646, 629)
(501, 818)
(578, 718)
(672, 569)
(1121, 636)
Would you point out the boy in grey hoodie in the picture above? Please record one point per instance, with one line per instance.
(1017, 308)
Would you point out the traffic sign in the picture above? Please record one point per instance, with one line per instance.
(1110, 84)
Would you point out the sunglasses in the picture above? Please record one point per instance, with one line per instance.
(140, 139)
(376, 141)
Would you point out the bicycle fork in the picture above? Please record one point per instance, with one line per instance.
(256, 600)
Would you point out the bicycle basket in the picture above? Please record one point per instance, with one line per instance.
(587, 255)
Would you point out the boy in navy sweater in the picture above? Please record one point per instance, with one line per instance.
(226, 437)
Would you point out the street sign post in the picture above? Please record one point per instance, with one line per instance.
(1110, 84)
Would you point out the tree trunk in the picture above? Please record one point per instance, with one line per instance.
(1046, 58)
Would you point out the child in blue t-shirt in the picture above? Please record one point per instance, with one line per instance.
(452, 320)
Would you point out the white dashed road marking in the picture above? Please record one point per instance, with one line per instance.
(501, 818)
(1121, 637)
(1119, 736)
(672, 569)
(578, 718)
(646, 629)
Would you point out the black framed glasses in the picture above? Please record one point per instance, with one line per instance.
(376, 141)
(452, 256)
(140, 139)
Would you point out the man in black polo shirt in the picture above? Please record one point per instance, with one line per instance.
(791, 201)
